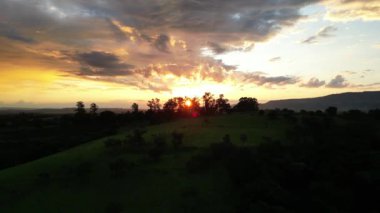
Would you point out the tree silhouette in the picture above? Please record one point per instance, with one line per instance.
(222, 104)
(209, 102)
(154, 105)
(80, 110)
(135, 108)
(170, 106)
(93, 108)
(195, 104)
(180, 103)
(247, 104)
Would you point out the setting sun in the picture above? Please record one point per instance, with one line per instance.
(188, 103)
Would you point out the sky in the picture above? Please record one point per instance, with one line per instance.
(116, 52)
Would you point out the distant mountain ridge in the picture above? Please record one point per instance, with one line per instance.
(11, 110)
(345, 101)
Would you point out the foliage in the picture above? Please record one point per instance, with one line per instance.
(135, 108)
(154, 105)
(222, 104)
(80, 108)
(246, 104)
(93, 109)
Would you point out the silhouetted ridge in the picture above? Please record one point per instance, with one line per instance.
(344, 101)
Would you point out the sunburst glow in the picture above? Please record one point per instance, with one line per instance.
(188, 103)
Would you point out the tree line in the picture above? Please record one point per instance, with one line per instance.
(207, 105)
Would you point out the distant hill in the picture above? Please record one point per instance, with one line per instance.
(344, 101)
(52, 111)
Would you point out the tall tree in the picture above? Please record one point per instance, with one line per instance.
(222, 104)
(135, 108)
(80, 110)
(209, 102)
(170, 106)
(180, 103)
(154, 105)
(93, 109)
(195, 104)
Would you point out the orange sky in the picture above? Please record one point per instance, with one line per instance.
(54, 53)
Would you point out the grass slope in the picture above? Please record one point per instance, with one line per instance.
(163, 186)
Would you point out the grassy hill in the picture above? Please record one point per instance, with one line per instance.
(80, 180)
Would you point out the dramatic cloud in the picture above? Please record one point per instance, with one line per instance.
(314, 83)
(338, 82)
(323, 33)
(164, 40)
(101, 63)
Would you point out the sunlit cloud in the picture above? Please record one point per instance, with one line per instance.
(348, 10)
(338, 82)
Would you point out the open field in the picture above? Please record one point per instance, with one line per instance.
(48, 184)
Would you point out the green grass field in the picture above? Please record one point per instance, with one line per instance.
(163, 186)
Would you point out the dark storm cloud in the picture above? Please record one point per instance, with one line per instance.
(314, 83)
(101, 63)
(323, 33)
(257, 20)
(338, 82)
(100, 60)
(147, 30)
(15, 35)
